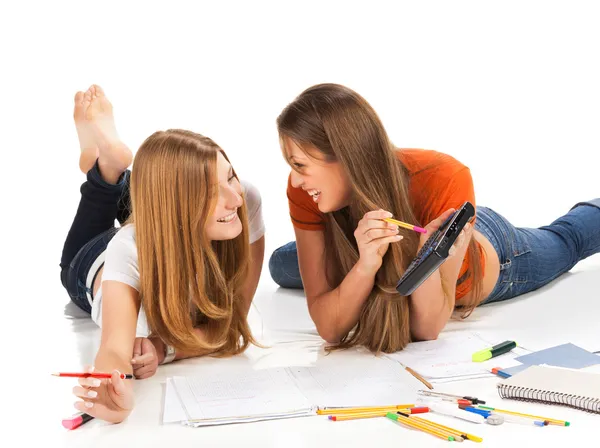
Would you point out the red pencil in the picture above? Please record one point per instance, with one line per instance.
(124, 376)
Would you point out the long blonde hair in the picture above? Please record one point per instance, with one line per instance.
(342, 126)
(186, 280)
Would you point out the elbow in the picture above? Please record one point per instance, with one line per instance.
(426, 334)
(328, 334)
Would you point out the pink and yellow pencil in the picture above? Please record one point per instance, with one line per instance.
(405, 225)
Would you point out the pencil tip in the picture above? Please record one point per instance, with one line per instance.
(55, 374)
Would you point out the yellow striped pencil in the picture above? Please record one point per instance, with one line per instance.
(350, 410)
(551, 421)
(405, 225)
(452, 430)
(417, 425)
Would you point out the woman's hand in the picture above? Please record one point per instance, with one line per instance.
(145, 358)
(106, 399)
(374, 236)
(434, 225)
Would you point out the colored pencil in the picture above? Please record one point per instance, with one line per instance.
(419, 377)
(124, 376)
(351, 410)
(405, 225)
(344, 417)
(380, 413)
(551, 421)
(417, 425)
(458, 432)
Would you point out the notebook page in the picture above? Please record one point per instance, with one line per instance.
(242, 393)
(562, 381)
(449, 356)
(173, 410)
(356, 381)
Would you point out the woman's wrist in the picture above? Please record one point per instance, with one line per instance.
(159, 346)
(367, 268)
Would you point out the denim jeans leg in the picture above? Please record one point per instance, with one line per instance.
(283, 266)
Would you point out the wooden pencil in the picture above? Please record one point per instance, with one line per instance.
(417, 425)
(419, 377)
(457, 432)
(405, 225)
(331, 411)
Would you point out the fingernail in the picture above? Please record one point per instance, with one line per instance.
(398, 237)
(92, 394)
(89, 404)
(389, 215)
(96, 382)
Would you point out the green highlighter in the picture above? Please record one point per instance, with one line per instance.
(492, 352)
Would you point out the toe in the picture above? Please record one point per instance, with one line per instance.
(87, 96)
(98, 90)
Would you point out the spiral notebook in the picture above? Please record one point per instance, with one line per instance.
(580, 390)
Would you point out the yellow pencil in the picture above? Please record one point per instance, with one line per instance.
(343, 417)
(405, 225)
(417, 425)
(551, 421)
(452, 430)
(350, 410)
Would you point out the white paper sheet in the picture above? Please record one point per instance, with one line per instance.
(173, 410)
(449, 357)
(365, 381)
(243, 394)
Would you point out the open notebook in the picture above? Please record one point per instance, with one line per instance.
(245, 394)
(553, 385)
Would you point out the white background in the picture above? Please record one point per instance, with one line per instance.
(509, 88)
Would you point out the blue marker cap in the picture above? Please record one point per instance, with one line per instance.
(483, 412)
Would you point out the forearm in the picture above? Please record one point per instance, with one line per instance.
(160, 347)
(336, 312)
(432, 303)
(108, 360)
(431, 306)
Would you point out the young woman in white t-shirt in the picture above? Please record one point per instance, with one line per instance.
(176, 280)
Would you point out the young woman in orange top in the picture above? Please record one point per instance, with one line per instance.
(346, 177)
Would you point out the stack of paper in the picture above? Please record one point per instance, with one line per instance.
(449, 358)
(246, 395)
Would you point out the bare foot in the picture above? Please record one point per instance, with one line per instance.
(113, 155)
(87, 142)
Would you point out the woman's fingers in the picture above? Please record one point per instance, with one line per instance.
(145, 372)
(390, 239)
(137, 347)
(373, 234)
(82, 392)
(90, 382)
(142, 360)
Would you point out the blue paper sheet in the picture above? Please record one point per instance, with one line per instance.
(566, 355)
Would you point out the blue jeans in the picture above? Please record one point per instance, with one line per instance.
(529, 258)
(92, 229)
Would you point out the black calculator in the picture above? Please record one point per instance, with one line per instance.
(435, 250)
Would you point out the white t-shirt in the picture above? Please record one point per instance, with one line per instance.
(121, 259)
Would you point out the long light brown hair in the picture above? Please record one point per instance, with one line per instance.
(343, 127)
(186, 279)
